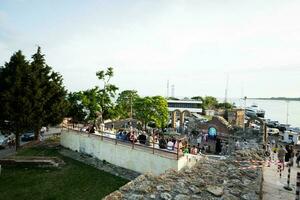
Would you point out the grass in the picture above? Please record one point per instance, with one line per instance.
(73, 181)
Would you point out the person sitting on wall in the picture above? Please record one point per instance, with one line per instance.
(150, 140)
(92, 129)
(162, 143)
(170, 145)
(142, 138)
(186, 150)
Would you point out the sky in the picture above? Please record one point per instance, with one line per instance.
(195, 44)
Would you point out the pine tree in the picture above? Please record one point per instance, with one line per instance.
(32, 94)
(48, 94)
(16, 107)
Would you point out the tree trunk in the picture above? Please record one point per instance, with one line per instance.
(17, 141)
(37, 133)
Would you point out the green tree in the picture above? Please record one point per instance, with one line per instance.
(152, 109)
(161, 114)
(48, 95)
(32, 94)
(144, 110)
(225, 105)
(15, 87)
(91, 102)
(125, 102)
(75, 107)
(106, 94)
(209, 102)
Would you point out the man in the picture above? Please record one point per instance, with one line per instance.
(298, 158)
(281, 154)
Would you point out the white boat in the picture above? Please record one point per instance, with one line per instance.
(259, 112)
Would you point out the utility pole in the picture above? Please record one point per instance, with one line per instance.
(245, 104)
(226, 89)
(168, 89)
(287, 112)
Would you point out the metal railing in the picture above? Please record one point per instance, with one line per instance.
(109, 137)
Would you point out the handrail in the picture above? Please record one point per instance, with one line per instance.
(157, 151)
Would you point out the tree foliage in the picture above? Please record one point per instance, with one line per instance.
(76, 108)
(161, 114)
(86, 105)
(125, 102)
(16, 107)
(152, 109)
(31, 93)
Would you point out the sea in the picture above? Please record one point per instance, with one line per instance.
(285, 112)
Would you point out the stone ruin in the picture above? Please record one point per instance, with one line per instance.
(237, 177)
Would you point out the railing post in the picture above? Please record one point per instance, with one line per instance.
(116, 142)
(177, 149)
(298, 186)
(288, 187)
(152, 143)
(101, 135)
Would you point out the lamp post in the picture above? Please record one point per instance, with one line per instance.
(245, 104)
(287, 112)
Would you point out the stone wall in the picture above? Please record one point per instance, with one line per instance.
(231, 179)
(141, 160)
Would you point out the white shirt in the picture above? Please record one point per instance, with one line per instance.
(170, 145)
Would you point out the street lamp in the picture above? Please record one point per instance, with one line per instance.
(245, 104)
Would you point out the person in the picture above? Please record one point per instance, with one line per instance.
(198, 148)
(92, 129)
(245, 144)
(186, 150)
(162, 143)
(170, 145)
(291, 151)
(273, 142)
(199, 139)
(274, 149)
(218, 146)
(298, 158)
(194, 150)
(280, 155)
(142, 138)
(150, 140)
(237, 145)
(288, 153)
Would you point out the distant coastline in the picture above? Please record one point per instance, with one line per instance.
(278, 98)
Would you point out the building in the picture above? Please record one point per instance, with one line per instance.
(181, 107)
(192, 106)
(236, 117)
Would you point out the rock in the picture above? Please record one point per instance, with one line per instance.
(215, 190)
(194, 189)
(163, 188)
(235, 191)
(182, 190)
(181, 197)
(229, 197)
(152, 196)
(114, 196)
(136, 197)
(195, 197)
(165, 196)
(249, 196)
(199, 182)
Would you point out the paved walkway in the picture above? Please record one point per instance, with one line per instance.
(273, 184)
